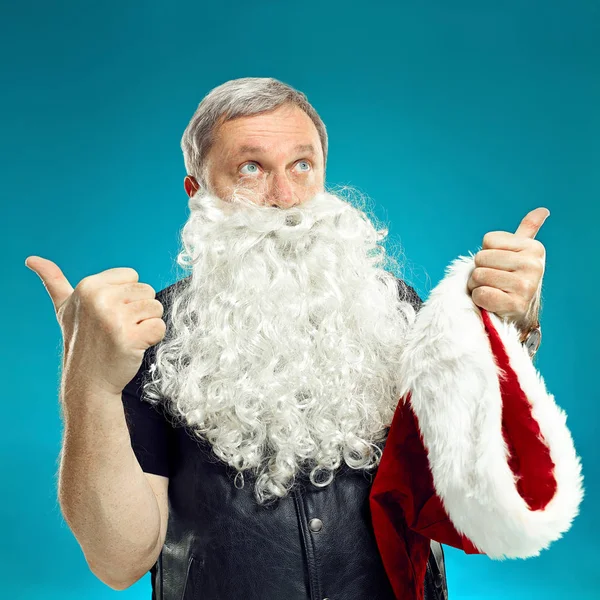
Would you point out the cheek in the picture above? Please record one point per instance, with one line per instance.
(308, 192)
(311, 181)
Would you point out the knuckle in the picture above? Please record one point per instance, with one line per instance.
(488, 239)
(480, 293)
(539, 247)
(150, 307)
(143, 289)
(128, 271)
(478, 274)
(85, 286)
(531, 289)
(160, 307)
(524, 287)
(535, 265)
(148, 288)
(158, 327)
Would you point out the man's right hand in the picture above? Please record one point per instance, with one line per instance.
(108, 321)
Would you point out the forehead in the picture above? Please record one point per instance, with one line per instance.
(286, 128)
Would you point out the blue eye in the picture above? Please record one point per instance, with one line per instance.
(250, 165)
(254, 168)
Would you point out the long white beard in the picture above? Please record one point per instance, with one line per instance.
(282, 347)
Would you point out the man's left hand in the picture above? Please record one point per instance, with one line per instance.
(507, 279)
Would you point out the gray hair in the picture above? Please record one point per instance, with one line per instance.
(238, 98)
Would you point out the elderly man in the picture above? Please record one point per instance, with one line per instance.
(304, 426)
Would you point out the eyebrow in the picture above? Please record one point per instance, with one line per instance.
(247, 148)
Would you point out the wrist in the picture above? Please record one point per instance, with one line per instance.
(531, 338)
(525, 330)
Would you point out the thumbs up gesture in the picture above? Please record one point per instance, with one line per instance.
(508, 271)
(108, 321)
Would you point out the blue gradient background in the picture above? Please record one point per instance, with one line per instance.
(456, 118)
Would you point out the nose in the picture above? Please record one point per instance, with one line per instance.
(281, 192)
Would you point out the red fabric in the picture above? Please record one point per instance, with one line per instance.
(521, 432)
(405, 510)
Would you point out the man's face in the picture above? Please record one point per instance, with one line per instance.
(276, 155)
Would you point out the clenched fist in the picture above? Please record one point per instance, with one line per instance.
(108, 321)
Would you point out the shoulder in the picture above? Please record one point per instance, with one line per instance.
(165, 294)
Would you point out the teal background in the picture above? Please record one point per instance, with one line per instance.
(456, 118)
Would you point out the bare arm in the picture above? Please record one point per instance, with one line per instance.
(117, 512)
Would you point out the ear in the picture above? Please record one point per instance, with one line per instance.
(190, 185)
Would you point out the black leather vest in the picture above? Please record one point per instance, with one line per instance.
(314, 544)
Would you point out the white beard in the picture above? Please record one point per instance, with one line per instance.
(282, 348)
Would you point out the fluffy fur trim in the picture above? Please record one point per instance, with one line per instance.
(502, 459)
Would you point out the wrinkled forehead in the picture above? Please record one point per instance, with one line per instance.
(246, 148)
(282, 132)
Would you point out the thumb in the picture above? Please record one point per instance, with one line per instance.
(52, 277)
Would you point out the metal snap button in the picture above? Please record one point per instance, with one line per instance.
(438, 580)
(315, 524)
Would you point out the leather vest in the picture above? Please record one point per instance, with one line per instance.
(314, 544)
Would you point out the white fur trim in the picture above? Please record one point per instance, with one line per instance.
(449, 369)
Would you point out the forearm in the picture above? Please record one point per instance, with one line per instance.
(103, 493)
